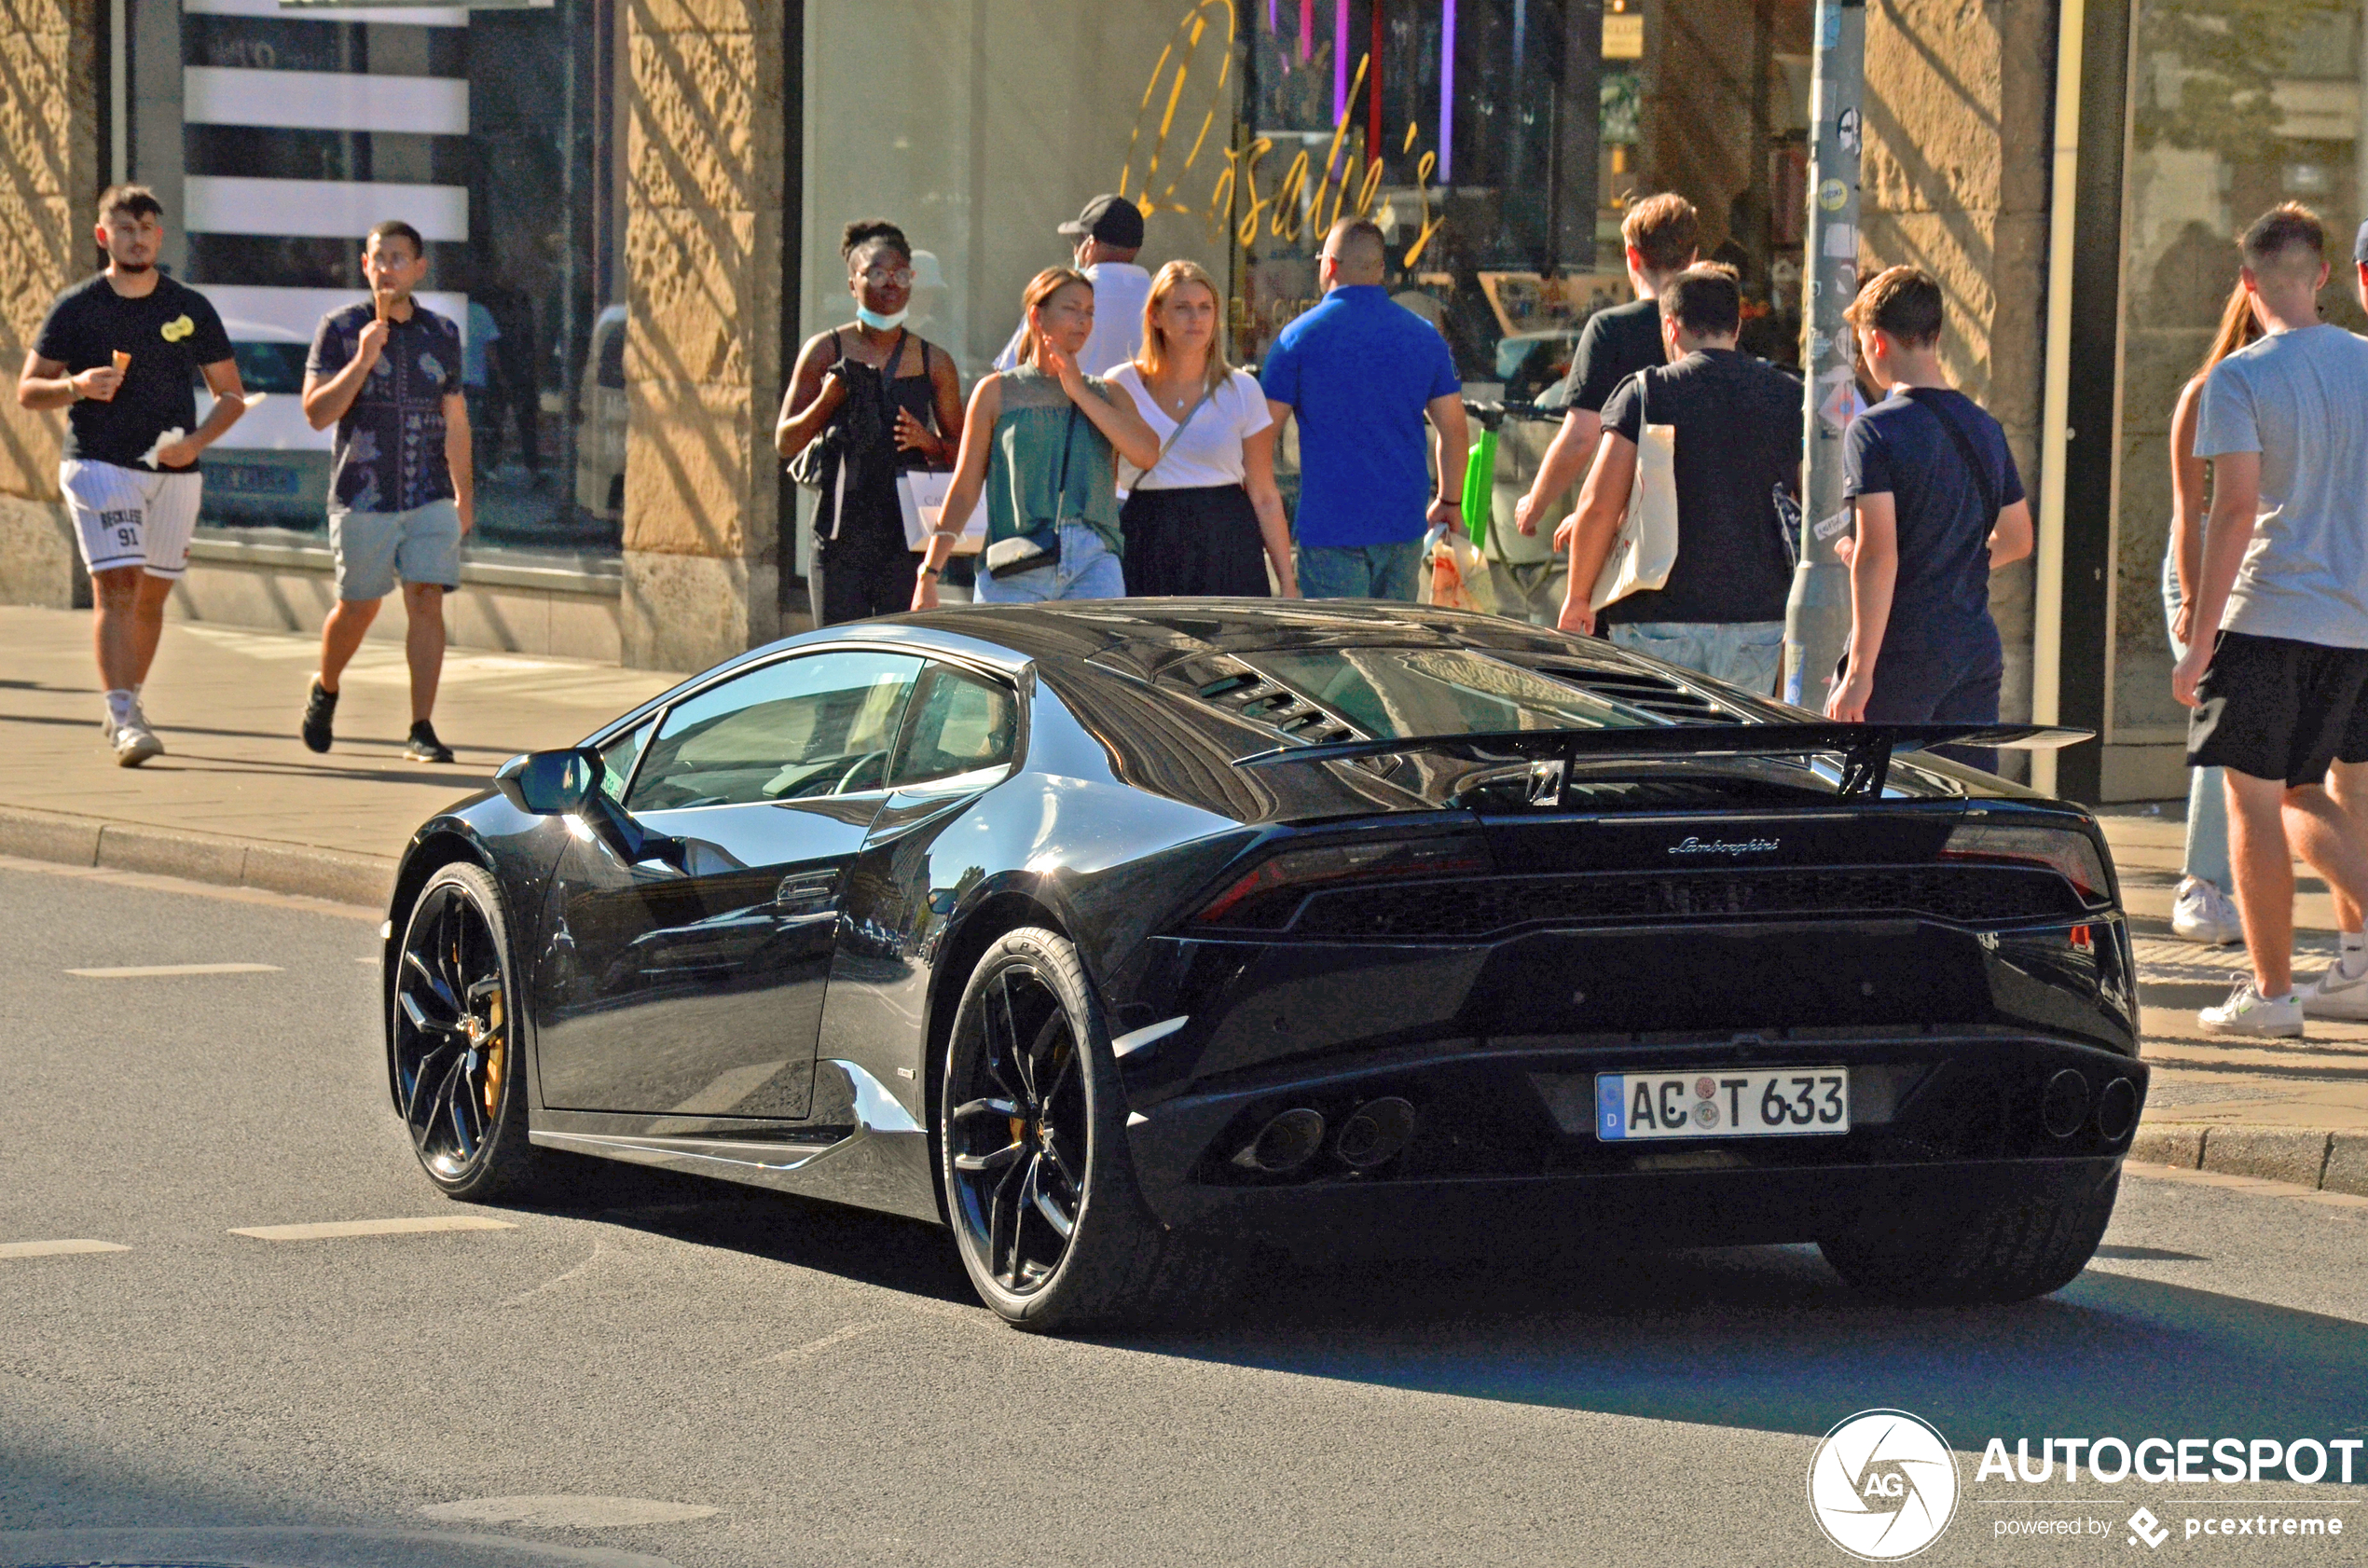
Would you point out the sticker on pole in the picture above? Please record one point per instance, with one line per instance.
(1833, 195)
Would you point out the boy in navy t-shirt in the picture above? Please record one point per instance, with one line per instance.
(1939, 508)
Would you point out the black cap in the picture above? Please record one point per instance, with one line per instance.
(2359, 246)
(1112, 219)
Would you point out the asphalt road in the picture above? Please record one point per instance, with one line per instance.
(815, 1385)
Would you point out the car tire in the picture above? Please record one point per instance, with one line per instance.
(1117, 1266)
(455, 1058)
(2009, 1251)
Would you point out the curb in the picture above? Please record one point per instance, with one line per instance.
(338, 875)
(2300, 1156)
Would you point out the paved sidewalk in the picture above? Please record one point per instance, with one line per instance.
(237, 799)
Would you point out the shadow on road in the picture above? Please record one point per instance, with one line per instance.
(1765, 1338)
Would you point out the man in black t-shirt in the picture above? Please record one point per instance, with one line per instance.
(121, 352)
(1938, 507)
(1737, 424)
(1663, 236)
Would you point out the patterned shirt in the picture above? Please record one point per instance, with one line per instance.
(389, 455)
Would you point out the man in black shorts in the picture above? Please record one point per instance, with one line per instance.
(2280, 696)
(121, 352)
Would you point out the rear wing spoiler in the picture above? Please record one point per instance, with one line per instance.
(1866, 749)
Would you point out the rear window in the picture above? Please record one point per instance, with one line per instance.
(1393, 692)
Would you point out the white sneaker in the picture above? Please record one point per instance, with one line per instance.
(135, 743)
(2202, 912)
(2335, 994)
(2246, 1012)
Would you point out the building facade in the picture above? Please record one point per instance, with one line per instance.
(633, 208)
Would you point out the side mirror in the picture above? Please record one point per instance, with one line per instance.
(551, 783)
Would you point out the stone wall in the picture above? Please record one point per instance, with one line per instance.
(704, 198)
(1960, 101)
(48, 177)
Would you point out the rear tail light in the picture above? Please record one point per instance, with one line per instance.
(1267, 895)
(2067, 851)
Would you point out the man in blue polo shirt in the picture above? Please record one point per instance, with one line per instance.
(1362, 373)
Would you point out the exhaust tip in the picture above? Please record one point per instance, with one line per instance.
(1375, 1131)
(1284, 1144)
(2065, 1106)
(2118, 1110)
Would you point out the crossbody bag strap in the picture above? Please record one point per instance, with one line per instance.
(1973, 463)
(1173, 436)
(1061, 485)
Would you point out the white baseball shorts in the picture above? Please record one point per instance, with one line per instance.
(129, 517)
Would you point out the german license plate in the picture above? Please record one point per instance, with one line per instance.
(252, 478)
(1769, 1102)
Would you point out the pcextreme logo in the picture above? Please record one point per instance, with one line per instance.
(1883, 1485)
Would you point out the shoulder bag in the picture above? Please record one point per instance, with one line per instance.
(1647, 547)
(920, 495)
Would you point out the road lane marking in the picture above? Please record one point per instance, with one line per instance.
(567, 1513)
(334, 1229)
(158, 971)
(55, 1249)
(836, 1336)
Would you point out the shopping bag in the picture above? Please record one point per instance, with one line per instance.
(921, 495)
(1458, 576)
(1647, 545)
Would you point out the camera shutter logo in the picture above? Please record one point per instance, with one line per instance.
(1883, 1485)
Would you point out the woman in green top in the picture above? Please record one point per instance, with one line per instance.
(1040, 442)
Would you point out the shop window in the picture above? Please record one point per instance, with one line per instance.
(2234, 106)
(278, 134)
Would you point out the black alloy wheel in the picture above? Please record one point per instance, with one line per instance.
(452, 1038)
(1046, 1216)
(1020, 1135)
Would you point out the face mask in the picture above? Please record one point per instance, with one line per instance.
(878, 323)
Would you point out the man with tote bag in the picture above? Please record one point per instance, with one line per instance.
(1677, 546)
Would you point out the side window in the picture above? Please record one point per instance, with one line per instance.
(963, 722)
(793, 730)
(617, 759)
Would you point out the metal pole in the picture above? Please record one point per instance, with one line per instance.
(1817, 612)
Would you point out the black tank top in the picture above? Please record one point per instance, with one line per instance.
(872, 521)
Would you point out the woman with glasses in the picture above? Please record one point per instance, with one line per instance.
(883, 402)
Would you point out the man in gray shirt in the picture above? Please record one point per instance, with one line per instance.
(2280, 696)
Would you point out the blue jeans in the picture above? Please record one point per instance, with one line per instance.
(1361, 571)
(1744, 654)
(2205, 857)
(1088, 568)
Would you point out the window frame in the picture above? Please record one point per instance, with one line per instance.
(655, 711)
(660, 718)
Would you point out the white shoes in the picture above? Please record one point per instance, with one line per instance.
(133, 741)
(2202, 912)
(2335, 995)
(2246, 1012)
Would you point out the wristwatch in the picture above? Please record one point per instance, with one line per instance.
(929, 571)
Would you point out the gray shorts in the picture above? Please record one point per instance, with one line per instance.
(374, 549)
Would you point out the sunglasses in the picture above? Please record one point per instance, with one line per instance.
(900, 276)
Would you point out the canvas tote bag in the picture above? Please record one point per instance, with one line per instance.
(1647, 545)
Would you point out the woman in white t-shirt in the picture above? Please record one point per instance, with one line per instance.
(1205, 518)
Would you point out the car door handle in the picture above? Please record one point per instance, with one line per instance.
(807, 892)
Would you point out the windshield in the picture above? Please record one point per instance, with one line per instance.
(1394, 693)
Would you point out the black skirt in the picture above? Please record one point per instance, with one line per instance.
(1203, 540)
